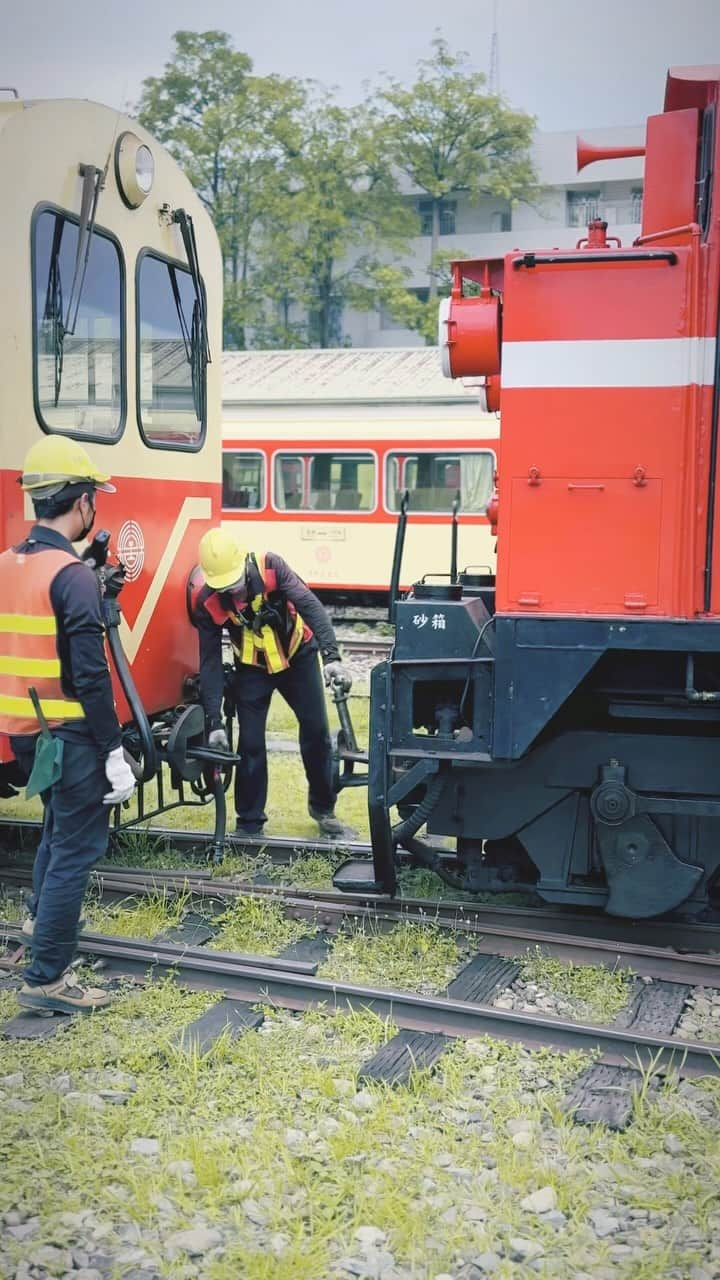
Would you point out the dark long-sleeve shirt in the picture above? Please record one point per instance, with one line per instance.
(289, 587)
(84, 672)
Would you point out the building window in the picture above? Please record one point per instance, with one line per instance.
(448, 210)
(582, 207)
(171, 375)
(243, 481)
(324, 482)
(636, 199)
(501, 220)
(77, 331)
(434, 480)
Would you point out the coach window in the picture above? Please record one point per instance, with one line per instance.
(243, 481)
(435, 479)
(340, 482)
(77, 329)
(171, 368)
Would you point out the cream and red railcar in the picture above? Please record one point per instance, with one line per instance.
(320, 446)
(110, 334)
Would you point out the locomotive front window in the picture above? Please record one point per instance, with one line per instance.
(77, 329)
(324, 482)
(435, 479)
(243, 484)
(171, 374)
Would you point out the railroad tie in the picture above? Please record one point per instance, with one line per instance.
(603, 1094)
(410, 1051)
(231, 1017)
(406, 1052)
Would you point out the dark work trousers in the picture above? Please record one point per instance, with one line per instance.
(301, 685)
(74, 837)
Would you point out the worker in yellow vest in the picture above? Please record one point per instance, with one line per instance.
(276, 626)
(54, 676)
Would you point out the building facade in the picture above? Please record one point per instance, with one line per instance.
(490, 227)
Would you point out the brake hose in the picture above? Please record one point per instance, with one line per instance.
(403, 830)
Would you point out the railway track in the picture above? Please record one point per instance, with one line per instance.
(281, 982)
(496, 936)
(520, 922)
(494, 930)
(366, 646)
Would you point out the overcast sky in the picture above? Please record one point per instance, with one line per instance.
(569, 62)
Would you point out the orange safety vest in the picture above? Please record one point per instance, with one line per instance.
(267, 641)
(28, 642)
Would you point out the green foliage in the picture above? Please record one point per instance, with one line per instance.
(234, 134)
(305, 193)
(293, 185)
(258, 926)
(412, 957)
(139, 917)
(272, 1133)
(449, 136)
(601, 993)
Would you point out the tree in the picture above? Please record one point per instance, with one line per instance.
(449, 136)
(342, 213)
(302, 199)
(233, 133)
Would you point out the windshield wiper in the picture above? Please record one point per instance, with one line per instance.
(93, 180)
(197, 349)
(53, 313)
(53, 310)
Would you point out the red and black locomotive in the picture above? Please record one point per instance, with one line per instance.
(563, 721)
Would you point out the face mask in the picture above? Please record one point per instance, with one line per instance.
(86, 528)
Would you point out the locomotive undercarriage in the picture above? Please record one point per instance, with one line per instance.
(578, 759)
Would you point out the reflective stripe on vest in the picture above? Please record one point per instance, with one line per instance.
(28, 642)
(267, 642)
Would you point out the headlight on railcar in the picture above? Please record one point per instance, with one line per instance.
(134, 169)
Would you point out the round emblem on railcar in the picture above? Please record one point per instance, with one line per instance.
(131, 549)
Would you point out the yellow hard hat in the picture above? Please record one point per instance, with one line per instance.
(55, 461)
(222, 559)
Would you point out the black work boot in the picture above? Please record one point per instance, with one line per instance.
(330, 825)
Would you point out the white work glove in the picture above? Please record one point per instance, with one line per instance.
(336, 673)
(120, 776)
(218, 740)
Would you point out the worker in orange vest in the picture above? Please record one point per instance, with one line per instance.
(54, 677)
(276, 626)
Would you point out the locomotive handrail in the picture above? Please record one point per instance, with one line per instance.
(690, 228)
(531, 260)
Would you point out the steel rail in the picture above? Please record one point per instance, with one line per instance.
(681, 935)
(331, 910)
(455, 1018)
(101, 944)
(283, 850)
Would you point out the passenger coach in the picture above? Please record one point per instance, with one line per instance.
(110, 333)
(320, 446)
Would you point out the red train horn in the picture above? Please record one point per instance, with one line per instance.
(587, 153)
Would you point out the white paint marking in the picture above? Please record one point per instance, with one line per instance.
(633, 362)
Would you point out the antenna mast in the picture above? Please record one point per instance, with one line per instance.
(494, 72)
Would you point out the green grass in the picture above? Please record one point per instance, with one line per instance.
(258, 926)
(271, 1124)
(145, 917)
(282, 722)
(308, 870)
(600, 993)
(287, 812)
(10, 909)
(412, 957)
